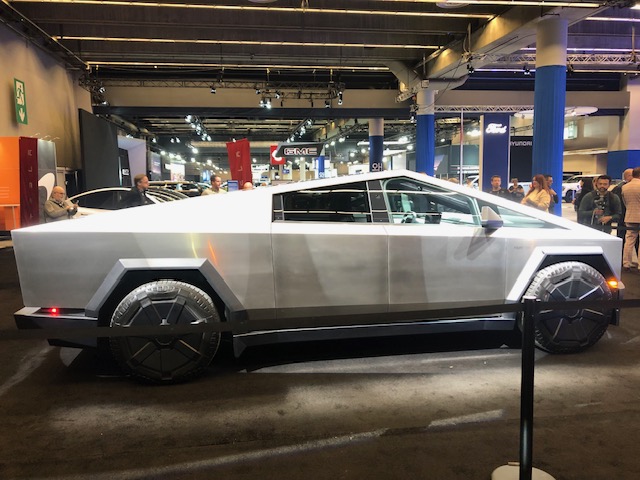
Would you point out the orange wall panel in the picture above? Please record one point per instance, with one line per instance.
(9, 183)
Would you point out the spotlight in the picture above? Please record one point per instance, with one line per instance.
(258, 92)
(327, 104)
(268, 104)
(263, 102)
(470, 68)
(173, 140)
(188, 119)
(154, 140)
(102, 90)
(278, 94)
(526, 70)
(213, 89)
(177, 140)
(339, 98)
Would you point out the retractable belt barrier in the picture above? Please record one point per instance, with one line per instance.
(331, 321)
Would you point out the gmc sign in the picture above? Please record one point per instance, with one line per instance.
(292, 151)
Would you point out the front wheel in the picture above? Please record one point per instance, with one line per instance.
(165, 359)
(569, 331)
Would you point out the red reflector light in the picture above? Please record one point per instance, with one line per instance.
(52, 310)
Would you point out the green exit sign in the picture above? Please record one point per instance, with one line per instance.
(21, 101)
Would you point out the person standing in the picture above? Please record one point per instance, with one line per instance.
(57, 207)
(617, 190)
(137, 196)
(600, 208)
(516, 190)
(538, 195)
(631, 196)
(552, 193)
(496, 187)
(216, 187)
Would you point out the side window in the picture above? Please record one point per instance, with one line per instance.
(344, 203)
(513, 219)
(410, 201)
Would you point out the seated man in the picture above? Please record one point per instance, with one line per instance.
(58, 207)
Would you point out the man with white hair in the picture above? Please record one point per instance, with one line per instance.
(58, 207)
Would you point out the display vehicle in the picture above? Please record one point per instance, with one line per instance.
(113, 198)
(354, 256)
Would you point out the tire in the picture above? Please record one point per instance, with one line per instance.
(159, 359)
(569, 196)
(569, 331)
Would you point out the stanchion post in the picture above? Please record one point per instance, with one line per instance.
(524, 470)
(526, 387)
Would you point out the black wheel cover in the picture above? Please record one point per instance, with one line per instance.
(167, 359)
(568, 331)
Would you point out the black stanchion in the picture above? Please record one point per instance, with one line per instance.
(524, 470)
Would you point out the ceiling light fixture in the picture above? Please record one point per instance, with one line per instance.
(307, 10)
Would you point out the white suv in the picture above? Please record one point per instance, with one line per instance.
(571, 187)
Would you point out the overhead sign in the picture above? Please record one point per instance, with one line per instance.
(20, 96)
(276, 160)
(496, 128)
(299, 149)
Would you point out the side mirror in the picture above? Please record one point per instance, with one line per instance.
(490, 219)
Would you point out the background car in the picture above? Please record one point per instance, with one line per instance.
(377, 254)
(110, 198)
(571, 187)
(191, 189)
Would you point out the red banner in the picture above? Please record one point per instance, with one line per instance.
(276, 160)
(239, 154)
(29, 205)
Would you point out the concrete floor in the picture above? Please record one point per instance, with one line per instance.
(442, 407)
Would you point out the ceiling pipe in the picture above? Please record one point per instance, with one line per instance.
(414, 83)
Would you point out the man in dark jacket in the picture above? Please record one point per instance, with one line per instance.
(626, 176)
(138, 194)
(599, 208)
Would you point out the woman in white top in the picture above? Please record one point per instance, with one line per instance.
(538, 195)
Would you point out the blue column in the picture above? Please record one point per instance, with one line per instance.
(549, 100)
(376, 144)
(320, 166)
(425, 132)
(495, 148)
(619, 161)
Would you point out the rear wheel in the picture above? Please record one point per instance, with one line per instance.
(568, 331)
(165, 359)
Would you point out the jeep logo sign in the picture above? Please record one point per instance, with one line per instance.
(309, 151)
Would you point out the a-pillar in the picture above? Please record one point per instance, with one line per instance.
(549, 100)
(624, 141)
(376, 144)
(425, 132)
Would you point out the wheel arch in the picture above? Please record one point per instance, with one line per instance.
(542, 257)
(128, 274)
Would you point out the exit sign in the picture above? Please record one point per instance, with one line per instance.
(21, 101)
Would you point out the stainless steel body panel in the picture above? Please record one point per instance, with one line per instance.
(475, 265)
(328, 265)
